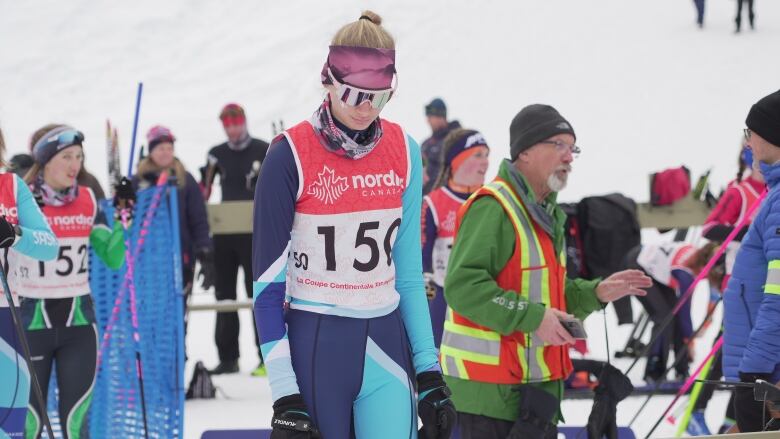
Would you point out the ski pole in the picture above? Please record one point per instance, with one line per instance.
(702, 274)
(135, 129)
(686, 419)
(150, 212)
(25, 348)
(134, 321)
(688, 383)
(677, 359)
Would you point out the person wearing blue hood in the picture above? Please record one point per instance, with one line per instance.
(751, 348)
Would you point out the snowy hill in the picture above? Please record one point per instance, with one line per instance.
(643, 87)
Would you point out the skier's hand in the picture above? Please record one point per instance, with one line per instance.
(434, 406)
(7, 233)
(208, 272)
(291, 419)
(124, 199)
(430, 286)
(551, 331)
(623, 283)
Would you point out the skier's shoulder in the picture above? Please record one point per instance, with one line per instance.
(218, 150)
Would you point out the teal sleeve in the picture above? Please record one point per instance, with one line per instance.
(407, 258)
(37, 240)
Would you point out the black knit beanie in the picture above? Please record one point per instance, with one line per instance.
(764, 118)
(533, 124)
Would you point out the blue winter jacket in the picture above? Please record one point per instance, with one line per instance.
(752, 297)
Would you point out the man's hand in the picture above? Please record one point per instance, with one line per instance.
(551, 331)
(623, 283)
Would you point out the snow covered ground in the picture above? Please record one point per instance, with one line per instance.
(644, 88)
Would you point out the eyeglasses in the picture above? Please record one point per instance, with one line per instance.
(65, 138)
(747, 133)
(563, 147)
(354, 96)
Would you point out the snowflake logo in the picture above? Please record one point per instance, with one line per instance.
(449, 222)
(328, 188)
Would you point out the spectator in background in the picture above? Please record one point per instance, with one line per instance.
(237, 162)
(193, 221)
(436, 112)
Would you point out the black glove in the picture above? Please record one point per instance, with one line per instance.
(435, 408)
(291, 419)
(538, 408)
(749, 412)
(124, 198)
(613, 387)
(208, 273)
(430, 286)
(7, 233)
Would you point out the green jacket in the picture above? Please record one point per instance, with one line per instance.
(483, 245)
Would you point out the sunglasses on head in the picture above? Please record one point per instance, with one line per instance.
(61, 140)
(354, 96)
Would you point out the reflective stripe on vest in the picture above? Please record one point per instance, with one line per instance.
(483, 346)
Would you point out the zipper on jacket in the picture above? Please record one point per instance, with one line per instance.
(744, 303)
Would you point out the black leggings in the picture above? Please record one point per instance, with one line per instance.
(659, 303)
(230, 253)
(75, 351)
(751, 15)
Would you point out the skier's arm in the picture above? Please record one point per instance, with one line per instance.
(684, 281)
(408, 266)
(762, 352)
(108, 243)
(483, 245)
(37, 240)
(274, 210)
(429, 233)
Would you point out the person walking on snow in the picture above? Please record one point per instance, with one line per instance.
(337, 233)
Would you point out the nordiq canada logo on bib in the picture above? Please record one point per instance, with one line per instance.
(328, 188)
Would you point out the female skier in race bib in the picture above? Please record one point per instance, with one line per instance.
(465, 164)
(57, 309)
(337, 232)
(23, 229)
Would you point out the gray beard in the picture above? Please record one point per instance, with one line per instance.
(555, 184)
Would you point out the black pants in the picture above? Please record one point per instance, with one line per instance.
(659, 303)
(750, 414)
(483, 427)
(75, 351)
(230, 253)
(751, 15)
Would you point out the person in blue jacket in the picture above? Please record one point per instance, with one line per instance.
(751, 348)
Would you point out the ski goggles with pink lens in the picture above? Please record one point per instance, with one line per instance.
(354, 96)
(361, 74)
